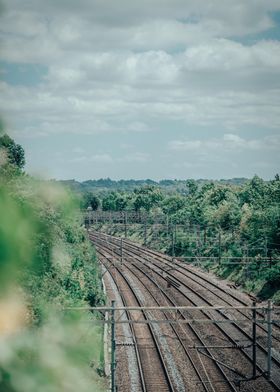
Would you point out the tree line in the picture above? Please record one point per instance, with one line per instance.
(252, 210)
(239, 224)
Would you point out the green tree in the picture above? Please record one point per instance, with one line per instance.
(218, 195)
(172, 204)
(14, 152)
(255, 192)
(89, 199)
(147, 197)
(227, 214)
(109, 202)
(192, 187)
(121, 202)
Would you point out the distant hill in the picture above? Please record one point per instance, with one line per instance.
(105, 184)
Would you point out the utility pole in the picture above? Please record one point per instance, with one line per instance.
(167, 225)
(125, 224)
(220, 245)
(265, 248)
(113, 348)
(254, 336)
(145, 232)
(198, 240)
(121, 249)
(172, 241)
(269, 339)
(204, 235)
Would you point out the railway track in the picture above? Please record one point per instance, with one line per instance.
(225, 294)
(157, 270)
(149, 357)
(134, 380)
(199, 367)
(230, 297)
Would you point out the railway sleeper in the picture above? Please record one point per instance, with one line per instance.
(172, 282)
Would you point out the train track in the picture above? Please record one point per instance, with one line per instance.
(226, 295)
(135, 378)
(157, 270)
(195, 360)
(149, 357)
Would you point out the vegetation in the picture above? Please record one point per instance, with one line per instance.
(46, 265)
(106, 184)
(236, 224)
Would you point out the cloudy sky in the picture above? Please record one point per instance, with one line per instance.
(143, 89)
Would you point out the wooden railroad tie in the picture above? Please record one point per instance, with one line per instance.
(171, 282)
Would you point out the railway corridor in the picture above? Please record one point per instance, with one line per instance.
(197, 356)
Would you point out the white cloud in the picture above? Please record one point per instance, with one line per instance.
(78, 150)
(98, 25)
(136, 66)
(227, 142)
(105, 158)
(179, 145)
(140, 157)
(47, 32)
(115, 78)
(101, 158)
(97, 158)
(225, 55)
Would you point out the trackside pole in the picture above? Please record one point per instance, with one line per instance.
(121, 250)
(113, 348)
(269, 339)
(173, 241)
(220, 246)
(254, 347)
(125, 224)
(145, 233)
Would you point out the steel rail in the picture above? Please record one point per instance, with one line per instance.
(275, 385)
(203, 382)
(192, 272)
(205, 385)
(157, 346)
(139, 363)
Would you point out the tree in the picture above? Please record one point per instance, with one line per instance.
(91, 200)
(147, 197)
(109, 202)
(226, 214)
(192, 187)
(121, 202)
(255, 192)
(14, 152)
(218, 195)
(172, 204)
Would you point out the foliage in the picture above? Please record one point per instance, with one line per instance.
(147, 197)
(46, 265)
(192, 187)
(89, 199)
(172, 204)
(104, 185)
(15, 153)
(215, 220)
(109, 202)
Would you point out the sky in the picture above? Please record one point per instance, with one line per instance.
(143, 89)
